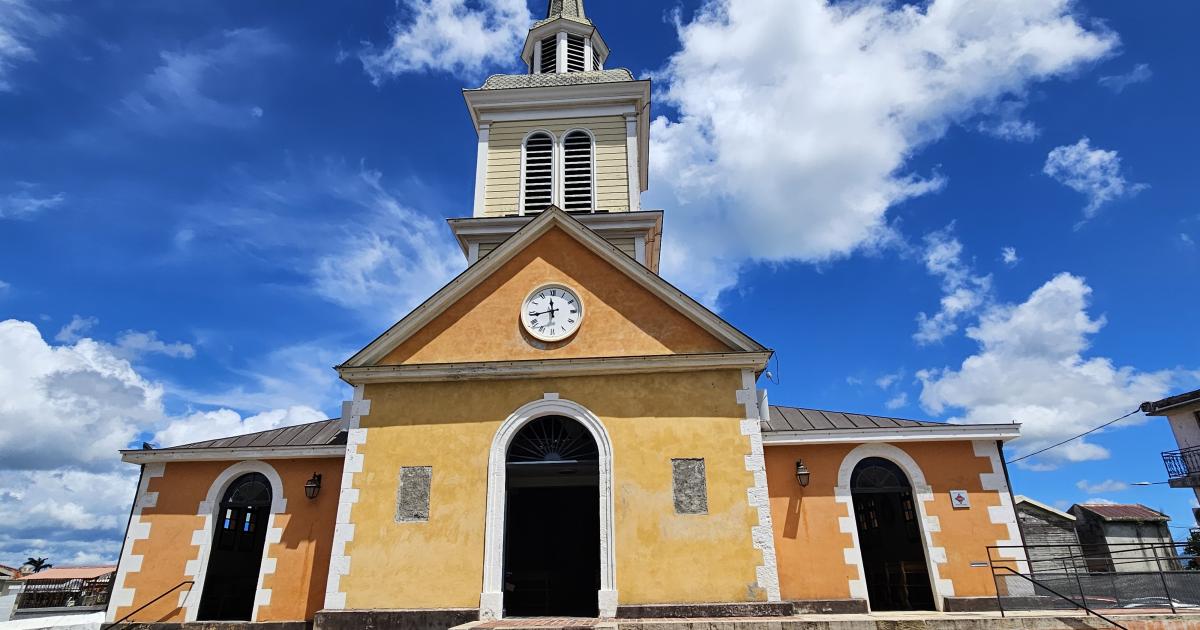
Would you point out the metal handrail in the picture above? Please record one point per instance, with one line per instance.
(1086, 609)
(147, 604)
(1182, 463)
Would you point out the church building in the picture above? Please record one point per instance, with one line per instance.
(561, 432)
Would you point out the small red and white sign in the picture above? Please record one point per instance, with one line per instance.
(960, 499)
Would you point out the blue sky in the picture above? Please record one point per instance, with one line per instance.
(204, 206)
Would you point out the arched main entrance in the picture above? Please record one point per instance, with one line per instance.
(889, 536)
(552, 520)
(240, 530)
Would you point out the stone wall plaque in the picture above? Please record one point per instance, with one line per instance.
(412, 496)
(691, 489)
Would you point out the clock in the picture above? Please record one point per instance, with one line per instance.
(552, 312)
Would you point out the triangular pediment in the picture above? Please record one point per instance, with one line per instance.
(630, 310)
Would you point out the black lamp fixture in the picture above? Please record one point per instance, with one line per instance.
(313, 486)
(802, 473)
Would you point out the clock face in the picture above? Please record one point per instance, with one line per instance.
(552, 312)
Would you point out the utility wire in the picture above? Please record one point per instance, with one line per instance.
(1072, 439)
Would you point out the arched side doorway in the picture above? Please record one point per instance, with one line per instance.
(890, 538)
(236, 553)
(552, 521)
(560, 471)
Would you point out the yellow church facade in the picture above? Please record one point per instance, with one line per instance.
(560, 432)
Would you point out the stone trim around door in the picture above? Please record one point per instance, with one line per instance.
(922, 494)
(762, 535)
(491, 599)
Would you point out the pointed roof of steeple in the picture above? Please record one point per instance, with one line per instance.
(569, 9)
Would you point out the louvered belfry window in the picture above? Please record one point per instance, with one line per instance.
(577, 171)
(549, 55)
(596, 64)
(574, 53)
(538, 192)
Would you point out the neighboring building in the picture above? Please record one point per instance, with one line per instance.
(61, 591)
(1053, 544)
(559, 431)
(1183, 465)
(10, 585)
(1124, 538)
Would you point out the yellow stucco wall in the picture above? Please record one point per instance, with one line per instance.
(806, 520)
(302, 555)
(502, 192)
(620, 317)
(661, 556)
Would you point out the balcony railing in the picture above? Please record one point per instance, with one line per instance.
(1182, 463)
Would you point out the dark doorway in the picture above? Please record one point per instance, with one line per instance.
(237, 549)
(890, 537)
(552, 521)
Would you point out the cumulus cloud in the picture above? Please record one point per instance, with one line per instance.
(1007, 124)
(183, 88)
(1094, 173)
(1118, 82)
(963, 292)
(897, 401)
(27, 201)
(67, 409)
(1032, 367)
(451, 36)
(1108, 485)
(1009, 256)
(796, 118)
(887, 380)
(21, 24)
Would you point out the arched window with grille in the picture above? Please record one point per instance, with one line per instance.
(537, 173)
(577, 171)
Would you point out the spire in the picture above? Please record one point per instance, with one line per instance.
(567, 9)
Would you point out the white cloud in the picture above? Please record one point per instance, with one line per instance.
(887, 380)
(1095, 173)
(134, 343)
(67, 409)
(963, 292)
(26, 201)
(1186, 239)
(451, 36)
(20, 25)
(1098, 501)
(1108, 485)
(180, 89)
(853, 380)
(1118, 82)
(76, 329)
(1006, 123)
(1009, 256)
(296, 375)
(897, 401)
(1031, 367)
(4, 286)
(797, 118)
(209, 425)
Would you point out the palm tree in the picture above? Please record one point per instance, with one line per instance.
(38, 564)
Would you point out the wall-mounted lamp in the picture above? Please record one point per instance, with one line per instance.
(312, 487)
(802, 473)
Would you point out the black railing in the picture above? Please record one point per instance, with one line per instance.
(1182, 463)
(64, 593)
(139, 609)
(1123, 578)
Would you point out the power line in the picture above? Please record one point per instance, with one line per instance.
(1072, 439)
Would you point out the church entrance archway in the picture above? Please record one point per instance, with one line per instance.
(890, 538)
(552, 520)
(240, 530)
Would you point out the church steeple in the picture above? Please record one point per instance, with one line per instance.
(565, 41)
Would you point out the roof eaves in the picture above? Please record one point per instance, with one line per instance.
(1158, 407)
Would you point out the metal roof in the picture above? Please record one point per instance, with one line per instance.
(1022, 499)
(798, 419)
(1159, 406)
(1123, 512)
(70, 573)
(550, 79)
(323, 433)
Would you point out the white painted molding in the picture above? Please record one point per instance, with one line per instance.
(491, 599)
(343, 529)
(587, 54)
(208, 510)
(500, 370)
(1004, 514)
(582, 111)
(946, 433)
(631, 158)
(561, 50)
(762, 535)
(922, 494)
(481, 166)
(123, 597)
(168, 455)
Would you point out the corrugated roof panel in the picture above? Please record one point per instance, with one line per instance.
(800, 419)
(321, 433)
